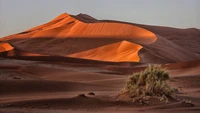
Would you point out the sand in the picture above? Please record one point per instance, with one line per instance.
(54, 87)
(78, 64)
(5, 47)
(79, 39)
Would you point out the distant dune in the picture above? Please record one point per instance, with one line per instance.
(5, 47)
(85, 37)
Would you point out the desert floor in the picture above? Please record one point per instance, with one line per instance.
(55, 87)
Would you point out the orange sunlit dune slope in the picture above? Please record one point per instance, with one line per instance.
(121, 51)
(5, 47)
(82, 36)
(68, 35)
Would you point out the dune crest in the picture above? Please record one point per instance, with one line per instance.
(82, 36)
(64, 34)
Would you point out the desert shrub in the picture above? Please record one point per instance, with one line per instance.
(150, 82)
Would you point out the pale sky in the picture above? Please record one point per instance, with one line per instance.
(20, 15)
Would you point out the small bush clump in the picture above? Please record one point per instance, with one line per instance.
(150, 82)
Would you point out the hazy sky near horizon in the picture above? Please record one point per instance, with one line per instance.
(20, 15)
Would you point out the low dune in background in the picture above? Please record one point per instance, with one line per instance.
(46, 68)
(5, 47)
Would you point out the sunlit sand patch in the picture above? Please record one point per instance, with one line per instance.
(117, 52)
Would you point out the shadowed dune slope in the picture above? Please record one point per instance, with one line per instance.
(83, 36)
(177, 45)
(172, 44)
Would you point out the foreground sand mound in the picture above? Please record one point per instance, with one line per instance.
(85, 37)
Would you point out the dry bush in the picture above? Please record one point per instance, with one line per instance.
(150, 82)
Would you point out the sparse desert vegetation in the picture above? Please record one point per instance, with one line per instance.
(150, 82)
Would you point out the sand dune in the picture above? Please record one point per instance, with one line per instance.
(125, 51)
(83, 36)
(73, 34)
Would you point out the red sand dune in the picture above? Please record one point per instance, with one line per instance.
(85, 37)
(67, 36)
